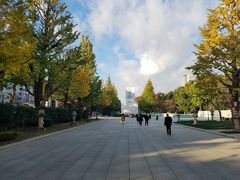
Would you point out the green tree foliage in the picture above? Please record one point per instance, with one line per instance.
(16, 40)
(80, 80)
(94, 84)
(147, 101)
(53, 32)
(216, 96)
(110, 100)
(218, 52)
(188, 98)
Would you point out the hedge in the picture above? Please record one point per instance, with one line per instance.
(23, 117)
(8, 135)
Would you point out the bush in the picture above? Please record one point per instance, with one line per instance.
(57, 115)
(8, 135)
(51, 116)
(22, 117)
(64, 115)
(7, 116)
(25, 117)
(48, 121)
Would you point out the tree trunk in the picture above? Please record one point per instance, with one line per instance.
(212, 116)
(195, 115)
(65, 103)
(1, 80)
(13, 95)
(220, 115)
(38, 97)
(38, 93)
(235, 101)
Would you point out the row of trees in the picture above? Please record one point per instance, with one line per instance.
(151, 102)
(38, 50)
(204, 94)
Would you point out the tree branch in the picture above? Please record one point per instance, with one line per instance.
(28, 90)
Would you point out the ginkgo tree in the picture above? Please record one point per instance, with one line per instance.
(53, 30)
(189, 99)
(16, 40)
(110, 101)
(215, 95)
(219, 51)
(78, 80)
(148, 100)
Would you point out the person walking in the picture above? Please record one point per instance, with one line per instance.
(168, 124)
(146, 117)
(157, 117)
(140, 119)
(122, 119)
(137, 118)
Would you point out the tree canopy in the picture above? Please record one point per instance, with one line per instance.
(188, 98)
(16, 39)
(218, 52)
(110, 100)
(53, 31)
(147, 101)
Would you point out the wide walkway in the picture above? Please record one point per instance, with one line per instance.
(108, 150)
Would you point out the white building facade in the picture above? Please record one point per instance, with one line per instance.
(186, 79)
(131, 107)
(22, 97)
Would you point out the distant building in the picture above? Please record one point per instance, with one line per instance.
(186, 79)
(22, 97)
(131, 107)
(130, 95)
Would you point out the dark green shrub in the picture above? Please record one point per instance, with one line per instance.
(8, 135)
(6, 116)
(51, 114)
(58, 115)
(31, 119)
(25, 117)
(64, 115)
(21, 117)
(48, 121)
(79, 115)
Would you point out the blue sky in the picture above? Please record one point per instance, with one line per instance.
(137, 40)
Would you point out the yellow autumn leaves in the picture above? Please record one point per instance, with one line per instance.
(79, 86)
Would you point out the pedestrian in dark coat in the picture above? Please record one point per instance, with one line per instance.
(146, 117)
(168, 124)
(137, 118)
(140, 119)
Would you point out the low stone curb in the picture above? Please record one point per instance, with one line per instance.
(41, 137)
(209, 131)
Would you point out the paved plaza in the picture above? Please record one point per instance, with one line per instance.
(108, 150)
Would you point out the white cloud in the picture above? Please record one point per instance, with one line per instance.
(159, 33)
(148, 66)
(101, 66)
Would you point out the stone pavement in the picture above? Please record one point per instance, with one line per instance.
(108, 150)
